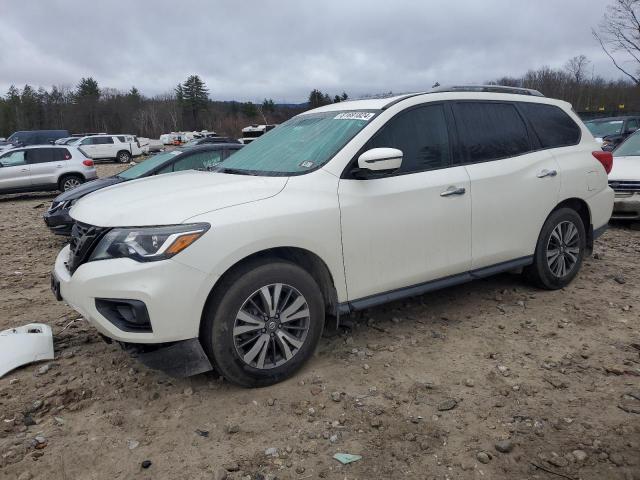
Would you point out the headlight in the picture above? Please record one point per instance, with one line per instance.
(148, 244)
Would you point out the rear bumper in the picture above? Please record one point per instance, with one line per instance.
(626, 207)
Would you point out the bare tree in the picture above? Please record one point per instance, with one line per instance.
(577, 67)
(619, 36)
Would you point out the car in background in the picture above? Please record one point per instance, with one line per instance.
(612, 131)
(65, 141)
(210, 139)
(25, 138)
(121, 148)
(624, 179)
(200, 157)
(252, 132)
(43, 168)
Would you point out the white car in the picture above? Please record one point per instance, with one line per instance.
(625, 179)
(341, 208)
(121, 148)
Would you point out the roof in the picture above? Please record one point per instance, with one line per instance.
(443, 93)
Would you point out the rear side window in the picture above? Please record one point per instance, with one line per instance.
(421, 133)
(491, 131)
(553, 127)
(102, 140)
(40, 155)
(61, 154)
(121, 138)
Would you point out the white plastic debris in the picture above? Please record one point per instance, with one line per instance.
(23, 345)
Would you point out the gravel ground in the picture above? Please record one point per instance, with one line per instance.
(492, 379)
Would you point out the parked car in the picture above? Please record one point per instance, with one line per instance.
(121, 148)
(42, 168)
(210, 139)
(250, 133)
(25, 138)
(625, 179)
(201, 157)
(341, 208)
(612, 131)
(66, 141)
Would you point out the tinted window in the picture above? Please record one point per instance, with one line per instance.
(12, 159)
(102, 140)
(201, 160)
(40, 155)
(61, 154)
(490, 131)
(121, 138)
(421, 133)
(553, 127)
(632, 125)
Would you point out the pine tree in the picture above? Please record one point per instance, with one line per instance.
(193, 97)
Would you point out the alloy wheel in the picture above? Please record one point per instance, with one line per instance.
(563, 249)
(70, 183)
(271, 326)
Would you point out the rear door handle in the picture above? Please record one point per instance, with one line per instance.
(547, 173)
(453, 191)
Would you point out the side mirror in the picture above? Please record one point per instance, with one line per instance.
(380, 159)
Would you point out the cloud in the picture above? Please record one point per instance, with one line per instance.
(283, 48)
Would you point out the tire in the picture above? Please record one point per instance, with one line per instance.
(227, 337)
(564, 233)
(68, 182)
(123, 156)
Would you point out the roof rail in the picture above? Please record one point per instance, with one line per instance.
(487, 88)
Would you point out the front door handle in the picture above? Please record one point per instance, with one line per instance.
(453, 191)
(547, 173)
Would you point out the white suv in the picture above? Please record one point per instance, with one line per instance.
(341, 208)
(121, 148)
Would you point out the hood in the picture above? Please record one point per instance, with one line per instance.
(87, 188)
(625, 168)
(171, 198)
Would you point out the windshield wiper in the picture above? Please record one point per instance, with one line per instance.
(233, 171)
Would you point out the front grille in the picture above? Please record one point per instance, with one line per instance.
(625, 185)
(84, 238)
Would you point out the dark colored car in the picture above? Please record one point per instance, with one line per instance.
(199, 157)
(613, 130)
(25, 138)
(209, 140)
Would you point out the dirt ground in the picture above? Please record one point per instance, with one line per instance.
(429, 388)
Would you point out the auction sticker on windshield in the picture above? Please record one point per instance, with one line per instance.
(366, 116)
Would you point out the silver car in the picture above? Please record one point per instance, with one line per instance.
(43, 168)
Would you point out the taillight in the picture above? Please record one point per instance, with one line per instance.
(605, 158)
(87, 163)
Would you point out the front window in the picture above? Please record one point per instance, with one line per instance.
(604, 128)
(149, 164)
(300, 145)
(630, 148)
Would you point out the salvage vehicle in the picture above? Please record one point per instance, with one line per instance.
(612, 131)
(201, 157)
(25, 138)
(44, 168)
(121, 148)
(624, 179)
(341, 208)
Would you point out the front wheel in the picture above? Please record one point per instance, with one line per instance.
(559, 251)
(263, 323)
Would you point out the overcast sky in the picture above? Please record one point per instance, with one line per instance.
(281, 49)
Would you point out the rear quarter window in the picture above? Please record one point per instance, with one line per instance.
(553, 127)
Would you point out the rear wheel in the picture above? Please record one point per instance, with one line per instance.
(263, 323)
(124, 156)
(560, 250)
(69, 181)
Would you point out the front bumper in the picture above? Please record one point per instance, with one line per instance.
(59, 221)
(626, 206)
(174, 295)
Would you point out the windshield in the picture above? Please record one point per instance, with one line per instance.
(630, 148)
(302, 144)
(14, 137)
(604, 128)
(149, 164)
